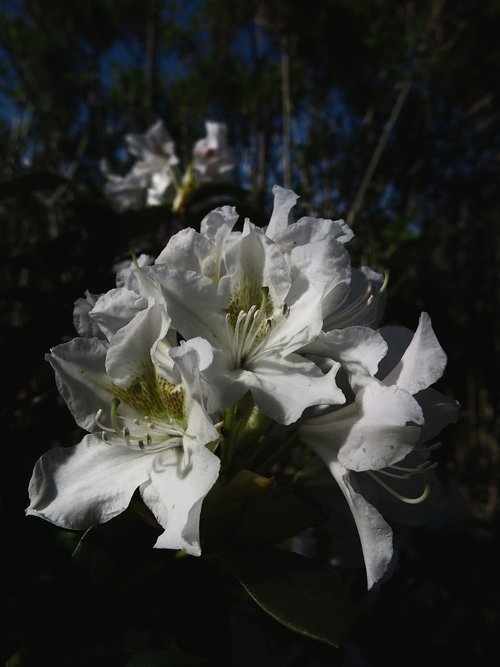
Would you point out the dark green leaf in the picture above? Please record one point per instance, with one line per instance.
(113, 550)
(282, 517)
(303, 595)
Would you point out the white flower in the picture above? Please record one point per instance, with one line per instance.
(213, 159)
(142, 402)
(152, 175)
(378, 438)
(314, 246)
(241, 294)
(261, 297)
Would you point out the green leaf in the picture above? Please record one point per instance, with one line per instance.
(31, 183)
(115, 550)
(305, 596)
(282, 517)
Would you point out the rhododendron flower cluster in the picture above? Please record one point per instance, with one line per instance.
(275, 318)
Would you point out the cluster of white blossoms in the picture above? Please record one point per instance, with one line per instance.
(275, 316)
(155, 179)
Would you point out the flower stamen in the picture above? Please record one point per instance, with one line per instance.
(404, 499)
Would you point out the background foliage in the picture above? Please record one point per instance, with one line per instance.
(383, 113)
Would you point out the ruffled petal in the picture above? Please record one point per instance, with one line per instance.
(325, 264)
(314, 230)
(175, 495)
(359, 350)
(117, 308)
(423, 362)
(81, 377)
(284, 201)
(84, 324)
(79, 487)
(186, 250)
(284, 388)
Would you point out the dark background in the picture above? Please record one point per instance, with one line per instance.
(383, 113)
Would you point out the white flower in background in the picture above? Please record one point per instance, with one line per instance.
(378, 438)
(243, 296)
(140, 398)
(213, 158)
(151, 177)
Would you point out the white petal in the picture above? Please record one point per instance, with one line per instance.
(79, 487)
(217, 227)
(423, 362)
(125, 271)
(81, 377)
(302, 323)
(313, 230)
(186, 250)
(361, 305)
(397, 338)
(380, 429)
(225, 384)
(387, 429)
(188, 358)
(83, 323)
(375, 534)
(193, 304)
(284, 201)
(252, 263)
(175, 496)
(358, 349)
(326, 264)
(117, 308)
(130, 348)
(218, 224)
(284, 388)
